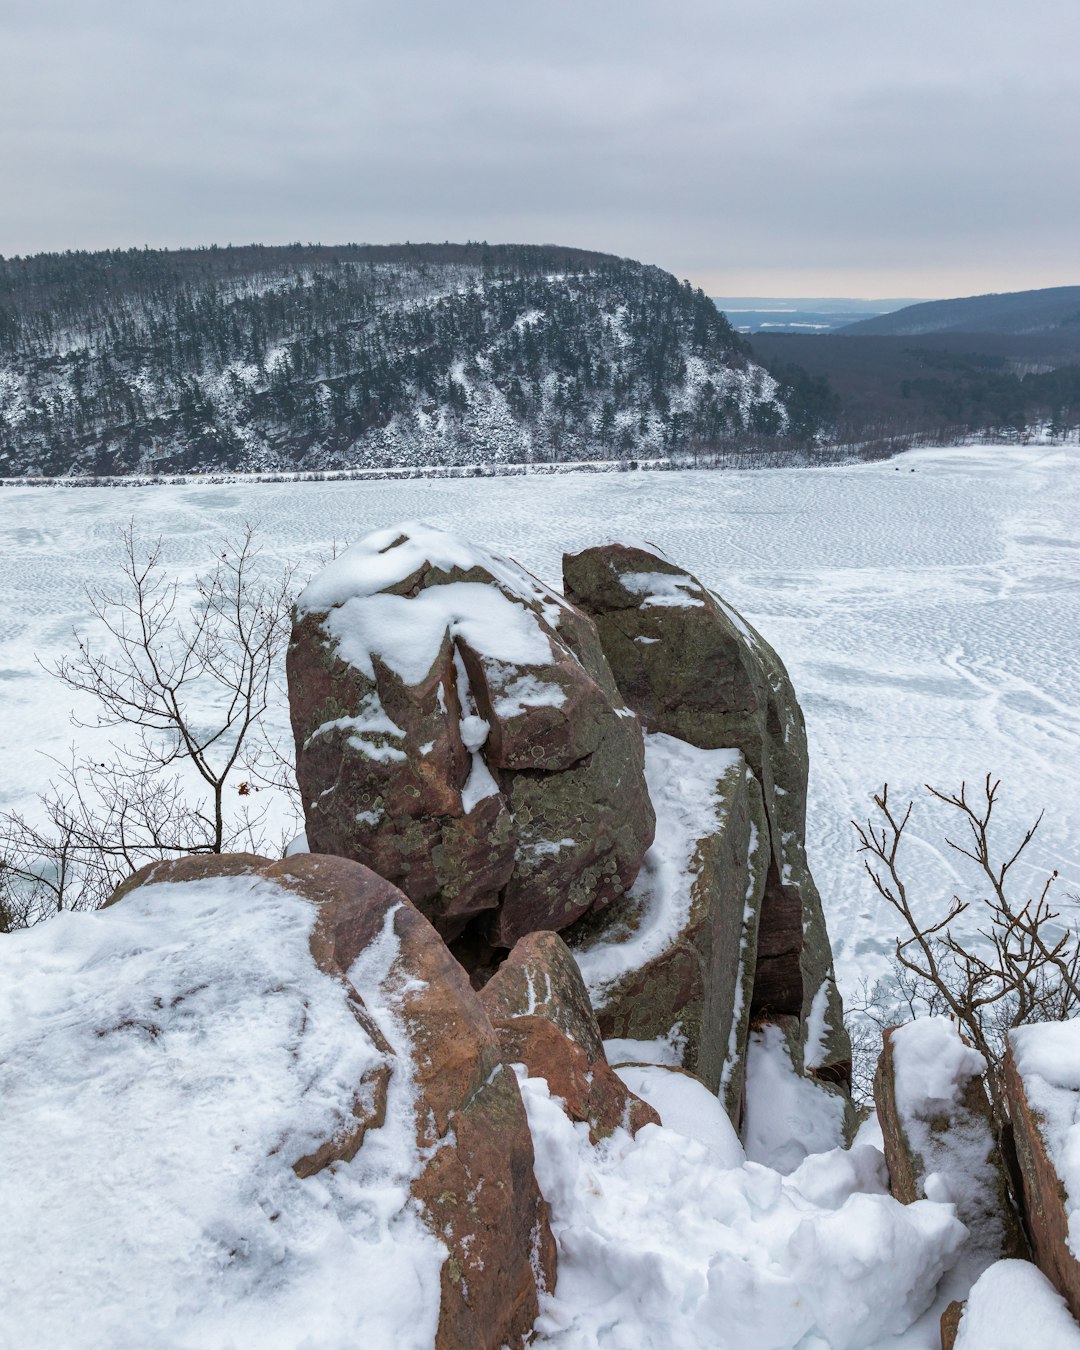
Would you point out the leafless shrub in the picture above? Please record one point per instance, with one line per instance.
(1026, 968)
(186, 685)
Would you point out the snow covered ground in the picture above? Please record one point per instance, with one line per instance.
(929, 612)
(180, 1052)
(928, 609)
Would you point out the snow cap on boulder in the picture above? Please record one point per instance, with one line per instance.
(1042, 1084)
(284, 1107)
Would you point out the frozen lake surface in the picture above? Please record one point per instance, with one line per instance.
(928, 610)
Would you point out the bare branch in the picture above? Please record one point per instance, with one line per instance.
(1018, 966)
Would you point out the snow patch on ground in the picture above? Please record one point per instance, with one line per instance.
(787, 1116)
(1013, 1306)
(686, 1105)
(661, 1248)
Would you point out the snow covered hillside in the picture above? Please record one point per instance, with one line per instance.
(271, 358)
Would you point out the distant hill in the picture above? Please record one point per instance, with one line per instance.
(1042, 311)
(299, 357)
(942, 385)
(985, 365)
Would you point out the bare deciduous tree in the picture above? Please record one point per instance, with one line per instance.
(186, 685)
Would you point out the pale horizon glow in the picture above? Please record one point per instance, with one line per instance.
(774, 149)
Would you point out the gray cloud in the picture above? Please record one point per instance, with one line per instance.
(827, 146)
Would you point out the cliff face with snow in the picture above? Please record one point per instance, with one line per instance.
(319, 358)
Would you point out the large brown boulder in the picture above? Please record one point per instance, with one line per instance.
(458, 731)
(1043, 1091)
(541, 1013)
(477, 1190)
(693, 668)
(936, 1124)
(474, 1185)
(369, 1103)
(675, 958)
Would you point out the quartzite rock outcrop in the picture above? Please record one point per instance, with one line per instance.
(457, 730)
(676, 955)
(475, 1188)
(692, 668)
(475, 738)
(1043, 1089)
(540, 1010)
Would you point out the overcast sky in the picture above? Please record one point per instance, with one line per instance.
(766, 147)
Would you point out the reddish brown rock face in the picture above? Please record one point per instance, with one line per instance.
(1044, 1194)
(540, 1009)
(458, 731)
(698, 983)
(382, 767)
(691, 667)
(950, 1324)
(476, 1190)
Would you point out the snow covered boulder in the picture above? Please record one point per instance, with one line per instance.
(675, 956)
(280, 1100)
(691, 667)
(476, 1188)
(187, 1060)
(458, 730)
(1042, 1082)
(936, 1123)
(541, 1012)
